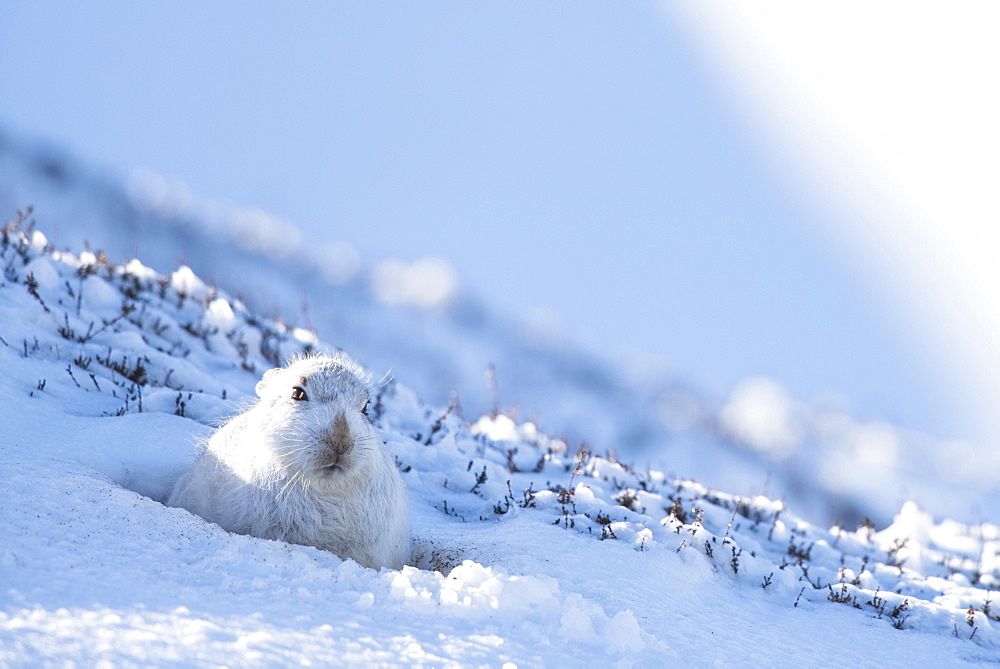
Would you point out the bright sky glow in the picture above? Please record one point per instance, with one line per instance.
(887, 111)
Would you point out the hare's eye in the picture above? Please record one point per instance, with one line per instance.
(364, 409)
(299, 395)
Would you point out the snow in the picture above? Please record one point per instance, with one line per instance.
(425, 283)
(529, 551)
(257, 230)
(760, 414)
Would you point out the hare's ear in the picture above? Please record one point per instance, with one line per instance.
(262, 384)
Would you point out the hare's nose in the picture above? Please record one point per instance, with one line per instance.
(339, 439)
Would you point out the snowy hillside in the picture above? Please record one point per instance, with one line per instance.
(414, 319)
(529, 550)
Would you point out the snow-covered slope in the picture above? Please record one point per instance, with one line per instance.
(815, 456)
(528, 550)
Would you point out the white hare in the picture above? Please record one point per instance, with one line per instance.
(304, 465)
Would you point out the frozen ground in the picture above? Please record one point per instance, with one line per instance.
(529, 550)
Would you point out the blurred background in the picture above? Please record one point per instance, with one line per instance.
(802, 192)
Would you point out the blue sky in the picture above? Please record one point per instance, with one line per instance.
(579, 158)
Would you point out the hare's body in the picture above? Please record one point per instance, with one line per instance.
(304, 465)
